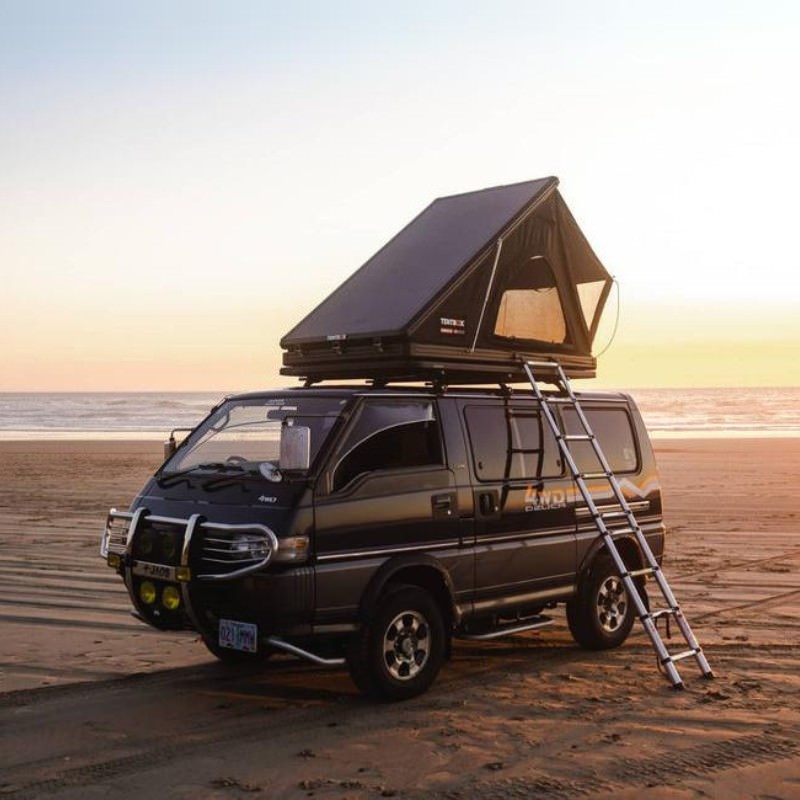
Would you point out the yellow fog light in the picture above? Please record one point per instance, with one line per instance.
(147, 593)
(113, 560)
(171, 598)
(183, 574)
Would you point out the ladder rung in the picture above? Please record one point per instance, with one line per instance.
(663, 612)
(613, 515)
(577, 437)
(682, 655)
(548, 364)
(593, 476)
(635, 573)
(560, 400)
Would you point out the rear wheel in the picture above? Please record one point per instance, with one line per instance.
(601, 614)
(399, 652)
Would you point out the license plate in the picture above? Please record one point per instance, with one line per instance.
(238, 635)
(161, 572)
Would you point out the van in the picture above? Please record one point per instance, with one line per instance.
(370, 525)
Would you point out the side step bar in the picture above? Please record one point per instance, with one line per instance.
(508, 630)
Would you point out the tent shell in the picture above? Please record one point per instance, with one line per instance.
(473, 285)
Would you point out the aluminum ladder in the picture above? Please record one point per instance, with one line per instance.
(667, 660)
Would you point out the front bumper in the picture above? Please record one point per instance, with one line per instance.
(159, 557)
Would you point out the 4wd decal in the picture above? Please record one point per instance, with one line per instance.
(544, 499)
(452, 327)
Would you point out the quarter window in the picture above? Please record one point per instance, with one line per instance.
(612, 426)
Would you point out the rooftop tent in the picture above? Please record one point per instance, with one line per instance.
(473, 284)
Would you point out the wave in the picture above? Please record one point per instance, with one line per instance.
(665, 411)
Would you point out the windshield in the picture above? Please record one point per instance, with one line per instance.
(245, 434)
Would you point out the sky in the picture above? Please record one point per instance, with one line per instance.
(181, 182)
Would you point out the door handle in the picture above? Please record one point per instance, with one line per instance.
(442, 504)
(487, 503)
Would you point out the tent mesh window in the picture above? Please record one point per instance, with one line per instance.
(589, 295)
(534, 311)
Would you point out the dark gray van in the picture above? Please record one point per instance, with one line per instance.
(370, 525)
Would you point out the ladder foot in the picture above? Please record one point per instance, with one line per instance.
(678, 687)
(709, 676)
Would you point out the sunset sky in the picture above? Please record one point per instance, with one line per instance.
(180, 182)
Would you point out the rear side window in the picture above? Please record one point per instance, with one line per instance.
(612, 426)
(511, 443)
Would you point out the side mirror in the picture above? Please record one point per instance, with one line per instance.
(295, 448)
(170, 446)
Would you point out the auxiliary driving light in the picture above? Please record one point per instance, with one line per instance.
(170, 598)
(146, 543)
(113, 560)
(167, 543)
(183, 574)
(147, 593)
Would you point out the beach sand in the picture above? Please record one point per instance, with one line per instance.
(532, 716)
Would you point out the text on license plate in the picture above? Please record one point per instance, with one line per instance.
(161, 572)
(238, 635)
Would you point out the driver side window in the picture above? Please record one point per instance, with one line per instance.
(389, 435)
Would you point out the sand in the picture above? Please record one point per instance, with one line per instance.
(530, 716)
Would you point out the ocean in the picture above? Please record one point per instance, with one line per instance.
(668, 413)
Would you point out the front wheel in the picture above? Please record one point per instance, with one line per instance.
(601, 614)
(399, 652)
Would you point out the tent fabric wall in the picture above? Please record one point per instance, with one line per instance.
(473, 284)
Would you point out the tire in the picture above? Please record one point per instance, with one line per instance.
(399, 652)
(601, 614)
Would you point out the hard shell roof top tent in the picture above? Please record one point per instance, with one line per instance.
(468, 288)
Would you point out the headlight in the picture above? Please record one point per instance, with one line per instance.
(231, 551)
(247, 548)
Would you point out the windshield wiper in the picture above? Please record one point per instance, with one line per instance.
(168, 479)
(225, 480)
